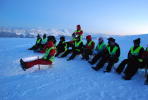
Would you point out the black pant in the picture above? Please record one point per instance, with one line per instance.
(111, 61)
(66, 53)
(122, 66)
(96, 58)
(74, 54)
(59, 51)
(132, 68)
(86, 53)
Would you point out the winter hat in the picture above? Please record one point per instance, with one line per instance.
(137, 40)
(111, 39)
(88, 37)
(62, 38)
(78, 27)
(100, 38)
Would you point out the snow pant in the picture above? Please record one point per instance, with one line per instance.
(66, 53)
(35, 47)
(38, 61)
(132, 68)
(111, 61)
(59, 51)
(74, 54)
(96, 58)
(121, 66)
(86, 53)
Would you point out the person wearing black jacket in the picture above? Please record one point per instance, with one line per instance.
(62, 46)
(133, 62)
(37, 44)
(111, 55)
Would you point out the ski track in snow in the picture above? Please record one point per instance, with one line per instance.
(64, 80)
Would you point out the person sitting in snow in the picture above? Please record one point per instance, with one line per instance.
(133, 62)
(98, 51)
(77, 46)
(62, 46)
(44, 40)
(50, 38)
(47, 59)
(145, 60)
(88, 48)
(37, 44)
(111, 55)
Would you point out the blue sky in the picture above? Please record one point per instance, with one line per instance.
(105, 16)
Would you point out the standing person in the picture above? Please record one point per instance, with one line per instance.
(47, 59)
(78, 32)
(88, 48)
(62, 46)
(77, 48)
(134, 60)
(98, 51)
(37, 44)
(110, 56)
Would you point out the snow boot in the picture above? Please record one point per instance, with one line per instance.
(146, 82)
(22, 64)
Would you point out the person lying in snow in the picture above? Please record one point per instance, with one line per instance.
(110, 55)
(98, 51)
(134, 61)
(37, 44)
(47, 59)
(62, 46)
(88, 48)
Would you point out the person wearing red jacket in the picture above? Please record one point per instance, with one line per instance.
(88, 48)
(47, 59)
(50, 38)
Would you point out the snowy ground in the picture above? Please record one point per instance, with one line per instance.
(73, 80)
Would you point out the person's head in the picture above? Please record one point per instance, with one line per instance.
(78, 27)
(44, 36)
(88, 38)
(52, 38)
(136, 42)
(62, 38)
(100, 39)
(38, 36)
(111, 41)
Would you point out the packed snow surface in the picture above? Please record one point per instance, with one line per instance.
(64, 80)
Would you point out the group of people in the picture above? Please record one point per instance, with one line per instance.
(102, 53)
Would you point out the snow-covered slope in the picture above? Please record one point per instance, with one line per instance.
(65, 80)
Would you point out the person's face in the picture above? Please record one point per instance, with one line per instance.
(78, 28)
(136, 44)
(111, 43)
(100, 40)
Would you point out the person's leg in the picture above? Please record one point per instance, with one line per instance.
(109, 66)
(66, 53)
(95, 59)
(38, 61)
(74, 53)
(100, 64)
(121, 66)
(131, 69)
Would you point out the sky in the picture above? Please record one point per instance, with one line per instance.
(95, 16)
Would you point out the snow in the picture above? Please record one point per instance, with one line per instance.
(64, 80)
